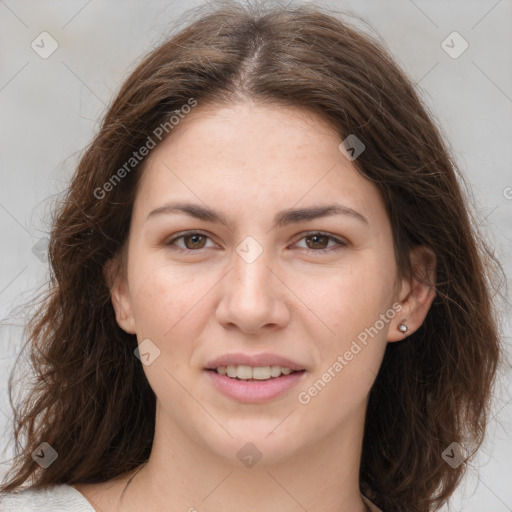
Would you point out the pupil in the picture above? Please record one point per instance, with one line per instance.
(195, 238)
(316, 237)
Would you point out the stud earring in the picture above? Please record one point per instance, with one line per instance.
(402, 327)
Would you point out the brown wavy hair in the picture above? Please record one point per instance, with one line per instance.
(434, 388)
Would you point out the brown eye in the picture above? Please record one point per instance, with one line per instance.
(192, 241)
(195, 241)
(315, 242)
(318, 241)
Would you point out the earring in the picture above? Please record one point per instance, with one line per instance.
(402, 327)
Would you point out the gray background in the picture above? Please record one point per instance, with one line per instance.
(51, 109)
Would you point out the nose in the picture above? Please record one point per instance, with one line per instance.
(253, 296)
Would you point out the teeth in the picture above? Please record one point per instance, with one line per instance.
(249, 372)
(242, 372)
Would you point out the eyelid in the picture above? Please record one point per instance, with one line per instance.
(341, 242)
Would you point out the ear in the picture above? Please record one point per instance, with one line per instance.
(415, 296)
(116, 280)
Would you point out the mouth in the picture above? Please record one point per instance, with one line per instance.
(254, 378)
(253, 373)
(248, 384)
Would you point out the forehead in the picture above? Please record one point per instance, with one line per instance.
(254, 156)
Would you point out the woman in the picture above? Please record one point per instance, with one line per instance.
(267, 291)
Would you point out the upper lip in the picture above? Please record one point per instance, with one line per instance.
(253, 360)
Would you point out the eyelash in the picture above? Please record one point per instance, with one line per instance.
(340, 243)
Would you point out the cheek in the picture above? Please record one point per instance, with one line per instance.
(350, 350)
(168, 310)
(351, 299)
(167, 303)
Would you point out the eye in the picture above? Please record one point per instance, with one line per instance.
(195, 241)
(319, 239)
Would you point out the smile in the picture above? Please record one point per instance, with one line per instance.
(262, 388)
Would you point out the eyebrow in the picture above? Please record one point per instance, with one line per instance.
(282, 218)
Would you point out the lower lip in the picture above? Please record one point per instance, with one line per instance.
(253, 391)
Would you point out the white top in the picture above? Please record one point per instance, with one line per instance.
(56, 498)
(59, 498)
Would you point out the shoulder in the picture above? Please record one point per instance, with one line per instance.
(54, 498)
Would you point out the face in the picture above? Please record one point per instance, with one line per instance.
(317, 289)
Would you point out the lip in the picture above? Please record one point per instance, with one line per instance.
(254, 360)
(253, 391)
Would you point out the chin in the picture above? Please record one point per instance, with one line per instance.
(251, 446)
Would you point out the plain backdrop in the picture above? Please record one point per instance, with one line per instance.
(50, 109)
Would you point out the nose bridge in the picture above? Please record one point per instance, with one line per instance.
(251, 276)
(251, 297)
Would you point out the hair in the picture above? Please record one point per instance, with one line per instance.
(434, 388)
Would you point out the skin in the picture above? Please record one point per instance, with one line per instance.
(291, 301)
